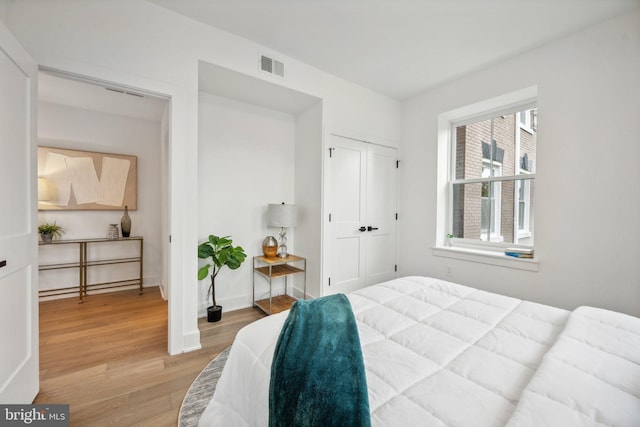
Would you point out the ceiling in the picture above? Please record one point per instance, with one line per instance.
(249, 90)
(400, 47)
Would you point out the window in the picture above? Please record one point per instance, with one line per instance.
(491, 178)
(527, 120)
(491, 197)
(524, 211)
(524, 118)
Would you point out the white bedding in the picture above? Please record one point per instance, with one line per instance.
(590, 377)
(442, 354)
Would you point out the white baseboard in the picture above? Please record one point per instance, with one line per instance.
(245, 301)
(191, 341)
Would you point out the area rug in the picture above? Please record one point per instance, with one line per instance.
(201, 391)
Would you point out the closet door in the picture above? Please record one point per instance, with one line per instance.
(361, 228)
(347, 169)
(381, 209)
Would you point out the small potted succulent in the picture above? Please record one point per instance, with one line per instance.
(48, 231)
(222, 252)
(448, 240)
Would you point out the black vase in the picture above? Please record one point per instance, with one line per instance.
(125, 223)
(214, 313)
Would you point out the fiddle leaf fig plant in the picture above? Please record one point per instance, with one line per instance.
(221, 252)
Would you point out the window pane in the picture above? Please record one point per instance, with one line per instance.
(478, 211)
(522, 204)
(526, 140)
(506, 140)
(467, 207)
(526, 209)
(489, 210)
(494, 211)
(475, 148)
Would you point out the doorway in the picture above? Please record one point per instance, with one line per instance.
(78, 113)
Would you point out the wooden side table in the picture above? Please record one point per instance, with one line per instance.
(270, 268)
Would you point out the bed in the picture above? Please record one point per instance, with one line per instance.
(442, 354)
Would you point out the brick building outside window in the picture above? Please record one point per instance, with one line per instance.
(494, 175)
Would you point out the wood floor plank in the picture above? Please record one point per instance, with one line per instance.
(107, 358)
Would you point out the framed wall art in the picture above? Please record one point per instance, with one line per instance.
(86, 180)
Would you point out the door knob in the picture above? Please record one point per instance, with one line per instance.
(3, 263)
(361, 229)
(370, 228)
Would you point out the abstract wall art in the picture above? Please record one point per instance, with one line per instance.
(85, 180)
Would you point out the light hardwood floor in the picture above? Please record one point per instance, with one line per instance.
(107, 358)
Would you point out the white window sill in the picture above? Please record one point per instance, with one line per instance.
(486, 257)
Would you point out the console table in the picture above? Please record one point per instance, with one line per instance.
(83, 264)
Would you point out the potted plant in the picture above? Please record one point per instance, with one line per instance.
(222, 252)
(448, 240)
(48, 230)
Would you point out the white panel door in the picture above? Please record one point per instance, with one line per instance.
(19, 362)
(381, 211)
(361, 200)
(347, 178)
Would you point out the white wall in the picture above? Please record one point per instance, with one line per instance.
(308, 179)
(73, 128)
(246, 161)
(141, 38)
(587, 201)
(138, 44)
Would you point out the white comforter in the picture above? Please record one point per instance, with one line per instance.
(441, 354)
(590, 377)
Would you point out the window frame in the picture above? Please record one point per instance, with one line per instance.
(492, 244)
(518, 98)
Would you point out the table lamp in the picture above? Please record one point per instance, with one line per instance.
(282, 216)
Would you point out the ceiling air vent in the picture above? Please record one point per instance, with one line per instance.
(271, 66)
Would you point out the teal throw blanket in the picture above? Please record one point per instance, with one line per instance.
(317, 374)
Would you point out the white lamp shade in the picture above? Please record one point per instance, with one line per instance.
(282, 216)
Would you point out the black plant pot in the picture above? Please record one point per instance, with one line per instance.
(214, 313)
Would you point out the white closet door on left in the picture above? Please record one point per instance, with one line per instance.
(19, 361)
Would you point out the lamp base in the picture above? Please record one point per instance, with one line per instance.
(282, 251)
(282, 247)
